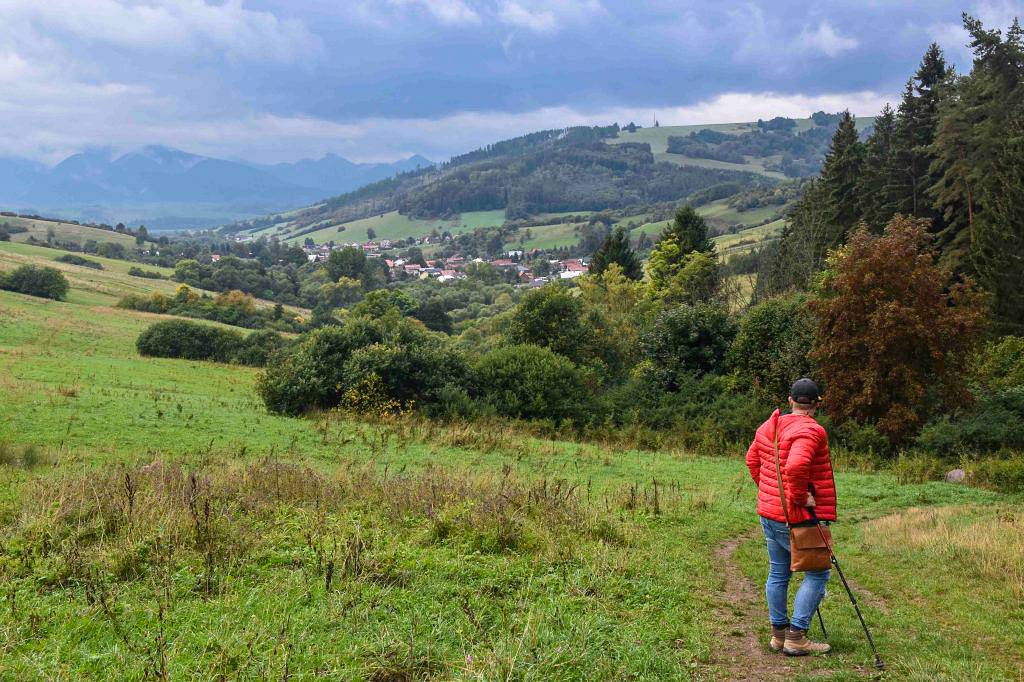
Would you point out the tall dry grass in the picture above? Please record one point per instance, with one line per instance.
(985, 543)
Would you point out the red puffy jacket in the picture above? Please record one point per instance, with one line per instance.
(806, 467)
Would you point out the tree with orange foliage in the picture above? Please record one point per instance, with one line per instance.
(894, 331)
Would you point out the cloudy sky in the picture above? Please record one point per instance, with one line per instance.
(270, 80)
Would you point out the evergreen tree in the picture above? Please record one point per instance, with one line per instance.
(689, 230)
(616, 250)
(821, 220)
(839, 175)
(875, 196)
(916, 124)
(979, 150)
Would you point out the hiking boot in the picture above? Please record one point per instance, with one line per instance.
(778, 637)
(797, 644)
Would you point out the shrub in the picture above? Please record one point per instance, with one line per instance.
(409, 375)
(36, 281)
(700, 410)
(999, 473)
(111, 250)
(257, 348)
(530, 382)
(688, 339)
(189, 341)
(995, 421)
(315, 373)
(308, 377)
(1000, 364)
(772, 347)
(73, 259)
(135, 271)
(551, 317)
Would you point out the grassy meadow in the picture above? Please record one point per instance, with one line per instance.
(159, 523)
(65, 232)
(391, 225)
(658, 139)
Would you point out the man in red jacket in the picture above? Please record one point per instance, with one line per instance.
(810, 493)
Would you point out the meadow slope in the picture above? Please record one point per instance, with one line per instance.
(158, 522)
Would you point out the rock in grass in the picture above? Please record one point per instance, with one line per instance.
(955, 476)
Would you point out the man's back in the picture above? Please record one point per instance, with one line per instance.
(805, 463)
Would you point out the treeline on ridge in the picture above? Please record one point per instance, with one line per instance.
(951, 153)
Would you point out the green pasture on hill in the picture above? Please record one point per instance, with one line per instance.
(658, 139)
(65, 232)
(159, 523)
(552, 236)
(393, 225)
(105, 287)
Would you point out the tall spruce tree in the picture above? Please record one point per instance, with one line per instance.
(979, 153)
(690, 231)
(821, 220)
(876, 202)
(615, 249)
(839, 175)
(916, 121)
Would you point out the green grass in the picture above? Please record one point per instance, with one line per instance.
(99, 287)
(394, 225)
(457, 552)
(658, 139)
(65, 232)
(745, 240)
(547, 236)
(720, 215)
(88, 286)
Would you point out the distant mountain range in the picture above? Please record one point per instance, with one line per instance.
(169, 188)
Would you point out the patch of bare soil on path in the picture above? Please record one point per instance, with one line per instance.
(743, 632)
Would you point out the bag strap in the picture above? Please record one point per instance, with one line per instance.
(778, 473)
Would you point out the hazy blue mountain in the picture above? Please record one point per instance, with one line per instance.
(17, 175)
(331, 171)
(169, 187)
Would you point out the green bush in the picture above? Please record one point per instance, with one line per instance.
(257, 348)
(136, 271)
(996, 421)
(999, 473)
(550, 317)
(771, 348)
(863, 438)
(36, 281)
(918, 467)
(1001, 364)
(688, 339)
(414, 374)
(310, 375)
(698, 410)
(73, 259)
(530, 382)
(189, 341)
(398, 356)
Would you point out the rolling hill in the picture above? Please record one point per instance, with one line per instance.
(576, 170)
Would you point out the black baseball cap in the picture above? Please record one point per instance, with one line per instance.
(805, 392)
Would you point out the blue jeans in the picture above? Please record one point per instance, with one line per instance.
(811, 591)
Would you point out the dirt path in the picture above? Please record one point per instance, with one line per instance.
(743, 652)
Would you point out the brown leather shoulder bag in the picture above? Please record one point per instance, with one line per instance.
(810, 547)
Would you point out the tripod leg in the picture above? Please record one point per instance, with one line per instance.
(853, 600)
(821, 621)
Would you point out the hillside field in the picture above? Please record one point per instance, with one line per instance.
(158, 522)
(104, 287)
(65, 232)
(658, 139)
(391, 225)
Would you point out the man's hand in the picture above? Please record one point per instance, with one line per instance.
(810, 501)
